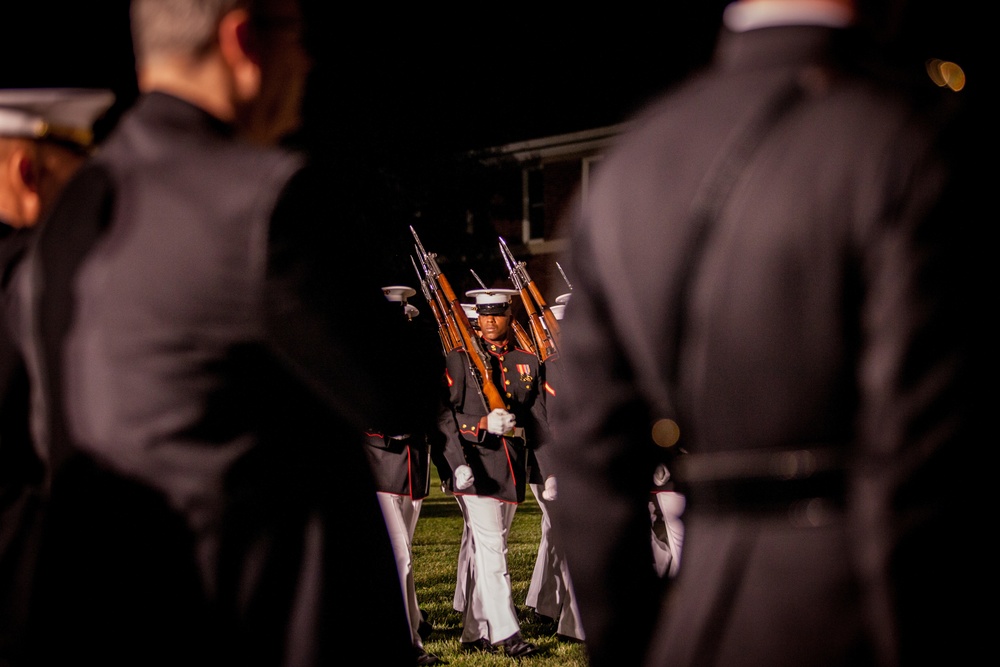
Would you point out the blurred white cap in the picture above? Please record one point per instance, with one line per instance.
(58, 114)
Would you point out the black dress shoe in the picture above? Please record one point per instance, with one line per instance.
(481, 645)
(515, 646)
(542, 619)
(568, 639)
(425, 658)
(424, 629)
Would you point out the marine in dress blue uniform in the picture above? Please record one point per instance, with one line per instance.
(550, 593)
(488, 453)
(400, 464)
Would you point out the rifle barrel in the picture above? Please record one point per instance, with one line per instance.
(479, 364)
(544, 345)
(449, 339)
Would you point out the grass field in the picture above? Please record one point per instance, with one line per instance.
(435, 555)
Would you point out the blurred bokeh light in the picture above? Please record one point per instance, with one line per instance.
(946, 73)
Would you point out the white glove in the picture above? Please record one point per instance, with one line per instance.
(661, 475)
(549, 492)
(463, 477)
(500, 421)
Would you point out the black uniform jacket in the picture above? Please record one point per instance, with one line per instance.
(499, 463)
(784, 254)
(539, 450)
(208, 335)
(21, 472)
(401, 465)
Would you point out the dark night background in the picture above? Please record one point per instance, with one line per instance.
(445, 79)
(400, 94)
(439, 79)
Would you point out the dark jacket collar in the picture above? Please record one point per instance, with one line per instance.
(496, 348)
(167, 110)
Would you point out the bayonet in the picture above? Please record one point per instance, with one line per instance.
(568, 284)
(427, 259)
(478, 279)
(423, 281)
(509, 262)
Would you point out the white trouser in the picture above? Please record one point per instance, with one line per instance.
(465, 559)
(665, 510)
(551, 591)
(489, 598)
(401, 514)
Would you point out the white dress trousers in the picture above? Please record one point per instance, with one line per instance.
(489, 600)
(401, 514)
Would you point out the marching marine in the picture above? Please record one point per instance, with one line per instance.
(550, 593)
(486, 448)
(400, 464)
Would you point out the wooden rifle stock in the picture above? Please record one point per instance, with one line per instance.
(447, 333)
(546, 346)
(551, 323)
(523, 339)
(451, 326)
(544, 326)
(470, 340)
(444, 332)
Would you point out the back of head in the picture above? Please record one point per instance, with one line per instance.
(241, 60)
(176, 27)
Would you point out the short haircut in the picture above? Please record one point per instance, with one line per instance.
(177, 27)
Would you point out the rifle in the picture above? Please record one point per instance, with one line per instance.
(449, 338)
(452, 325)
(523, 339)
(479, 363)
(544, 326)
